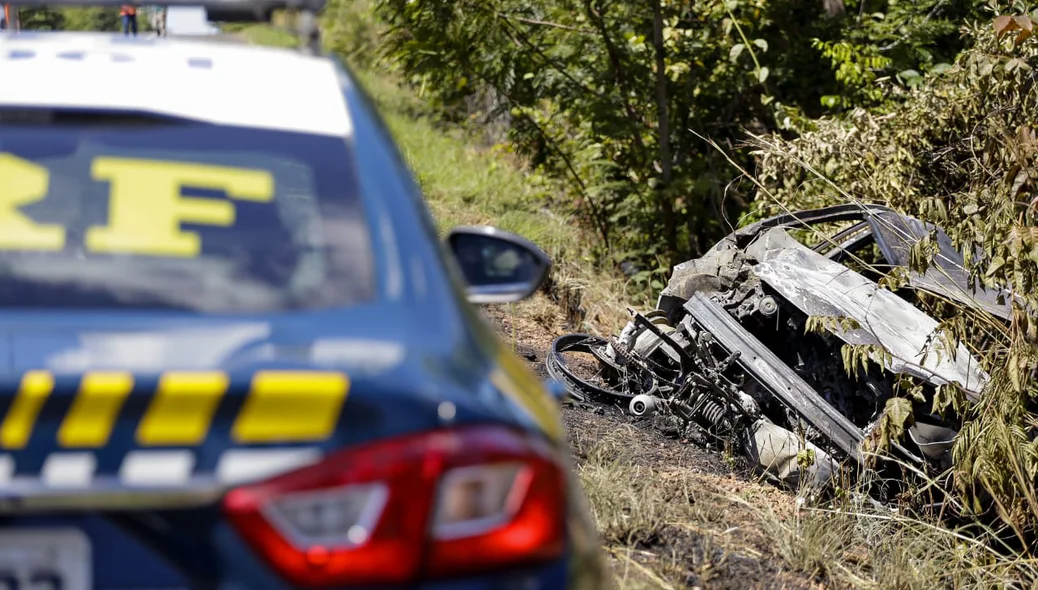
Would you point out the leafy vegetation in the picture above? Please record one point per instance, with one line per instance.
(45, 18)
(612, 98)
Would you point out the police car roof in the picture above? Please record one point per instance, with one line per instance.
(206, 80)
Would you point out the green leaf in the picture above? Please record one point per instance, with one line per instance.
(761, 43)
(736, 49)
(762, 75)
(805, 458)
(830, 101)
(917, 394)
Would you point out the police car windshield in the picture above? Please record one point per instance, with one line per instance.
(114, 213)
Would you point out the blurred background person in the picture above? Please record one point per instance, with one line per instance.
(129, 16)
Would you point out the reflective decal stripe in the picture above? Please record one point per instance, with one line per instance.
(160, 469)
(157, 468)
(93, 414)
(68, 470)
(18, 423)
(291, 406)
(182, 410)
(280, 407)
(6, 468)
(244, 465)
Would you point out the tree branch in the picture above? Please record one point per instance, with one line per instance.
(541, 23)
(618, 74)
(520, 39)
(597, 216)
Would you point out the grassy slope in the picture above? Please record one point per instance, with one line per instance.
(468, 185)
(670, 515)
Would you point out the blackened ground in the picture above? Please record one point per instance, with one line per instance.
(671, 514)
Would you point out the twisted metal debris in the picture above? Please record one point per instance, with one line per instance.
(727, 352)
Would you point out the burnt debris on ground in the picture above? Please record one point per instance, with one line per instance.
(803, 342)
(671, 515)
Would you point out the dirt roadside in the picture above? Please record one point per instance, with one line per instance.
(672, 515)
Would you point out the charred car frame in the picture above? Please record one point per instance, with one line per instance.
(748, 343)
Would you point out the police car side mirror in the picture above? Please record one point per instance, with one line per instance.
(498, 266)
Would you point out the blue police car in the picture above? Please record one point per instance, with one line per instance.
(233, 351)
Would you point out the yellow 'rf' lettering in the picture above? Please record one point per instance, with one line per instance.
(146, 207)
(23, 183)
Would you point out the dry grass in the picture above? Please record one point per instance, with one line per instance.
(672, 519)
(672, 516)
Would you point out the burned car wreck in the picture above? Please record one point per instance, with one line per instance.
(728, 350)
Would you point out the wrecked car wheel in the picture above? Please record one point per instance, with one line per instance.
(583, 383)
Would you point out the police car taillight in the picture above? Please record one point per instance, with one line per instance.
(441, 504)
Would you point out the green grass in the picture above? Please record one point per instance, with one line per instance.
(462, 183)
(263, 35)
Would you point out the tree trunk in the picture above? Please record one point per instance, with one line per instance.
(832, 8)
(663, 128)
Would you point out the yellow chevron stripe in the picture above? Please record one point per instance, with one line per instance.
(183, 407)
(21, 416)
(92, 416)
(291, 406)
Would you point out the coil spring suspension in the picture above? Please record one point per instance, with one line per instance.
(707, 413)
(713, 414)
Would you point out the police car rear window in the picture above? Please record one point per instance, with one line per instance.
(182, 216)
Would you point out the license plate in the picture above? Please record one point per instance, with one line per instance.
(38, 559)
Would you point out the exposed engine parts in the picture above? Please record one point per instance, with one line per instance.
(642, 404)
(729, 351)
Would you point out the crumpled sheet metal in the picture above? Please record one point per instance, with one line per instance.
(896, 234)
(821, 287)
(775, 451)
(720, 269)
